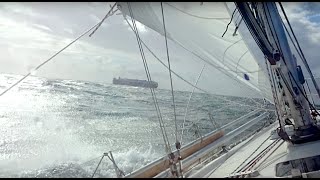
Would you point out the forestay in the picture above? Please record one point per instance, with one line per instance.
(198, 27)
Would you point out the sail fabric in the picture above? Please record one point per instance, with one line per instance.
(198, 27)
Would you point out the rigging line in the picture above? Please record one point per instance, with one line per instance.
(310, 93)
(110, 13)
(121, 173)
(240, 59)
(163, 131)
(174, 105)
(237, 18)
(237, 27)
(258, 157)
(167, 66)
(224, 53)
(266, 164)
(251, 154)
(165, 137)
(299, 56)
(229, 22)
(97, 166)
(46, 61)
(266, 156)
(304, 58)
(294, 44)
(216, 110)
(195, 15)
(187, 108)
(153, 94)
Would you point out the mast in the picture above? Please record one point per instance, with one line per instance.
(265, 24)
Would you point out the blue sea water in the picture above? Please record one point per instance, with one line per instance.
(61, 128)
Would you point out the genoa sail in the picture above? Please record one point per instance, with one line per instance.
(198, 28)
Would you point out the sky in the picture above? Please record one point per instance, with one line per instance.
(31, 32)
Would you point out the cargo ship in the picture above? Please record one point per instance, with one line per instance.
(135, 82)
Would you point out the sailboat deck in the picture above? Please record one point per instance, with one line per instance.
(278, 151)
(246, 153)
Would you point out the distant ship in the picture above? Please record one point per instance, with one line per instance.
(135, 82)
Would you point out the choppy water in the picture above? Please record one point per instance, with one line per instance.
(61, 128)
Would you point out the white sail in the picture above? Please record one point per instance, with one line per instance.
(198, 27)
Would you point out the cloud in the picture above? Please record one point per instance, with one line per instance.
(42, 27)
(307, 31)
(19, 8)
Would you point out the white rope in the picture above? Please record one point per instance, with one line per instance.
(172, 93)
(110, 13)
(187, 108)
(162, 127)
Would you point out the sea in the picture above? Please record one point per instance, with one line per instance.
(62, 128)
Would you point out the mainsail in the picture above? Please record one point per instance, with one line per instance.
(198, 28)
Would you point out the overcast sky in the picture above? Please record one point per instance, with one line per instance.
(30, 32)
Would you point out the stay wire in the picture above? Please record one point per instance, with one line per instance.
(303, 59)
(163, 131)
(172, 93)
(187, 108)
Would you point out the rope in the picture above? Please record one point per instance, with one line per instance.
(187, 108)
(251, 154)
(310, 93)
(110, 13)
(54, 55)
(241, 58)
(224, 53)
(97, 166)
(121, 173)
(178, 145)
(174, 105)
(303, 57)
(114, 163)
(251, 163)
(163, 131)
(268, 163)
(216, 110)
(229, 22)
